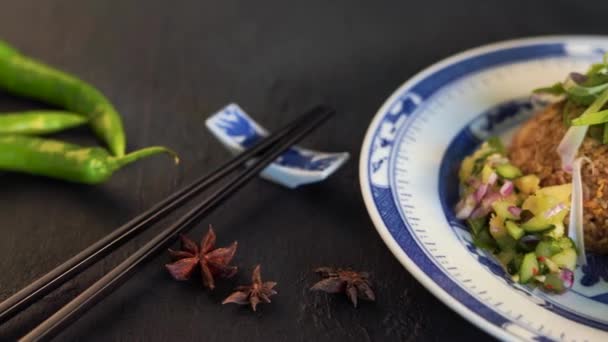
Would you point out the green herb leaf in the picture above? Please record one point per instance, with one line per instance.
(578, 90)
(477, 224)
(556, 89)
(591, 119)
(484, 240)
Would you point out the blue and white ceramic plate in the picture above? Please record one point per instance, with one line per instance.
(408, 174)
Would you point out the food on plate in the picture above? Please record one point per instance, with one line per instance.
(516, 219)
(543, 203)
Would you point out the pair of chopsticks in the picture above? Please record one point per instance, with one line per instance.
(255, 160)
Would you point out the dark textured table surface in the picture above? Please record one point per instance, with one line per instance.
(167, 66)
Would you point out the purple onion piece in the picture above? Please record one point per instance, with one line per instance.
(481, 192)
(465, 207)
(567, 276)
(480, 211)
(507, 188)
(515, 211)
(490, 198)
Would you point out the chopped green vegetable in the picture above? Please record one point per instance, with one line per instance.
(477, 224)
(529, 268)
(537, 224)
(591, 119)
(565, 242)
(581, 91)
(515, 263)
(547, 248)
(514, 230)
(525, 229)
(484, 240)
(508, 171)
(555, 89)
(554, 283)
(565, 259)
(501, 208)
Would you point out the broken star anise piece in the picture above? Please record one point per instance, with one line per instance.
(257, 292)
(354, 284)
(212, 261)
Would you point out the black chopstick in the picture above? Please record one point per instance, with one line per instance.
(105, 285)
(67, 270)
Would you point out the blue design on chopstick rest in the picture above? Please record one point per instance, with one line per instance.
(297, 166)
(235, 124)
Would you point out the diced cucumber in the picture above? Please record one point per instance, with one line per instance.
(514, 230)
(499, 233)
(506, 256)
(527, 184)
(565, 259)
(542, 269)
(508, 171)
(547, 248)
(506, 243)
(525, 246)
(559, 230)
(528, 268)
(554, 283)
(486, 173)
(501, 208)
(565, 242)
(553, 268)
(537, 224)
(515, 263)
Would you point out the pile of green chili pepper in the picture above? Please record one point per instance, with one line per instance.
(22, 151)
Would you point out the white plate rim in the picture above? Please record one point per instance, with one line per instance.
(364, 180)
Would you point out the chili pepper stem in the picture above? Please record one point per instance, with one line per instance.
(144, 152)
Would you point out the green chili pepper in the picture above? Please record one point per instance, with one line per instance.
(39, 122)
(56, 159)
(26, 77)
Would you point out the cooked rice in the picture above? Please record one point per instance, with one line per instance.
(534, 151)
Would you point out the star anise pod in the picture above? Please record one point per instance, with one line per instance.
(212, 261)
(257, 292)
(355, 284)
